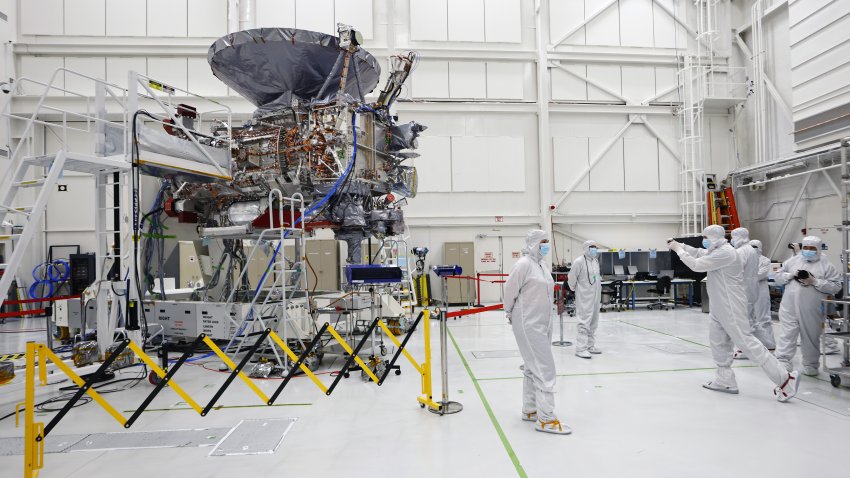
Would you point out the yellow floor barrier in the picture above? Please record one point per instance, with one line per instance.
(37, 356)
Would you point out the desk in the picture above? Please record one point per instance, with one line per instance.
(674, 287)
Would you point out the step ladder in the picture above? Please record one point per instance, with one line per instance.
(722, 210)
(14, 183)
(404, 293)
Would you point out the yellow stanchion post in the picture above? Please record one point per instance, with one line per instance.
(427, 398)
(33, 450)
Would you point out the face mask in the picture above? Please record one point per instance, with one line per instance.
(544, 249)
(593, 252)
(706, 243)
(809, 255)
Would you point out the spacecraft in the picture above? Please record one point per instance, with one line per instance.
(313, 134)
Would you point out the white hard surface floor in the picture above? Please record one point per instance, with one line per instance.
(637, 410)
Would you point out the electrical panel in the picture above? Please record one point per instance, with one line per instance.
(82, 272)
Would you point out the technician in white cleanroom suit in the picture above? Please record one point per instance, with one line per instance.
(749, 258)
(801, 311)
(529, 294)
(728, 314)
(584, 279)
(761, 309)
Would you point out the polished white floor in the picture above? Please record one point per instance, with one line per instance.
(637, 410)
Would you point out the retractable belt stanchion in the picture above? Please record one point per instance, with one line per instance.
(561, 305)
(447, 407)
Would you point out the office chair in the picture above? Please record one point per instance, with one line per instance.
(615, 296)
(662, 288)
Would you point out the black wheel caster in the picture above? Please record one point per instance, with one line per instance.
(383, 350)
(153, 378)
(398, 372)
(421, 405)
(835, 380)
(346, 375)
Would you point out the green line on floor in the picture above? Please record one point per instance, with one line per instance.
(519, 469)
(219, 407)
(624, 372)
(663, 333)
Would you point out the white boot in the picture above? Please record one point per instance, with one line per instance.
(595, 351)
(529, 417)
(583, 354)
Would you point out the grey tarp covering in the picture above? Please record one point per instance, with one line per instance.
(272, 66)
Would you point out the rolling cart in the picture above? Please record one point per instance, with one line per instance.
(841, 374)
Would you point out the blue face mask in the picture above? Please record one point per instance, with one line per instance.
(706, 243)
(809, 255)
(544, 249)
(593, 252)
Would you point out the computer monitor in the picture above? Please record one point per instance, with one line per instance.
(618, 270)
(661, 262)
(640, 259)
(666, 273)
(605, 263)
(621, 262)
(633, 270)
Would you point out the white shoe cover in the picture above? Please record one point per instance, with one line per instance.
(554, 426)
(789, 388)
(529, 417)
(583, 354)
(594, 350)
(719, 388)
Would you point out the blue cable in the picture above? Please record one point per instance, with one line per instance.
(52, 275)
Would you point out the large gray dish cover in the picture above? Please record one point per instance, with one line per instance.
(272, 66)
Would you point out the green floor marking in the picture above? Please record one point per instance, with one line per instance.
(663, 333)
(519, 469)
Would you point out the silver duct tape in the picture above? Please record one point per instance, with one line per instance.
(150, 439)
(254, 437)
(12, 446)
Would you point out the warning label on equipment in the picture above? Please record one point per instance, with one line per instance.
(488, 257)
(515, 254)
(160, 86)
